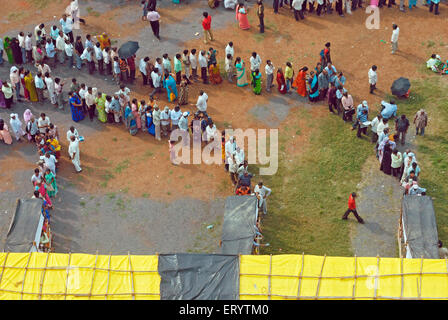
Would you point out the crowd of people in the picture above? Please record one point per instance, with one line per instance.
(436, 64)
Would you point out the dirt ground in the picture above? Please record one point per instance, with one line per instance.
(139, 167)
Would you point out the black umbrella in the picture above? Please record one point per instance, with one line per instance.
(128, 49)
(400, 87)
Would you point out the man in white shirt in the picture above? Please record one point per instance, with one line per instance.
(50, 162)
(142, 67)
(230, 148)
(262, 192)
(90, 97)
(229, 67)
(40, 27)
(73, 151)
(374, 123)
(72, 132)
(269, 69)
(50, 87)
(239, 156)
(29, 47)
(230, 49)
(43, 69)
(107, 60)
(99, 57)
(60, 47)
(255, 61)
(156, 81)
(21, 38)
(194, 65)
(373, 78)
(156, 121)
(202, 60)
(165, 121)
(210, 131)
(69, 53)
(175, 115)
(394, 38)
(201, 104)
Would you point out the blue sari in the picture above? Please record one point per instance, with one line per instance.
(313, 90)
(170, 86)
(149, 124)
(77, 113)
(131, 124)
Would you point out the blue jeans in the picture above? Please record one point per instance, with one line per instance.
(18, 90)
(23, 55)
(412, 3)
(422, 131)
(70, 61)
(78, 62)
(288, 84)
(1, 56)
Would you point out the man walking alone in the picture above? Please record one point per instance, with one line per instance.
(394, 38)
(153, 17)
(352, 208)
(206, 25)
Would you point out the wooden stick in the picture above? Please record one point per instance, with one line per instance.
(269, 279)
(376, 278)
(301, 275)
(68, 273)
(354, 281)
(108, 276)
(43, 277)
(421, 279)
(239, 282)
(132, 276)
(402, 277)
(93, 275)
(24, 275)
(320, 278)
(3, 269)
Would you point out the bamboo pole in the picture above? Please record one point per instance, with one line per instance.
(68, 273)
(421, 279)
(320, 278)
(93, 275)
(131, 274)
(269, 279)
(108, 276)
(3, 269)
(376, 277)
(402, 277)
(43, 277)
(354, 280)
(24, 275)
(301, 275)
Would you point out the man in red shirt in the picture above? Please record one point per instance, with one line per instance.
(352, 208)
(206, 24)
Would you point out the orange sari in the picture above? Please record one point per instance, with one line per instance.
(300, 83)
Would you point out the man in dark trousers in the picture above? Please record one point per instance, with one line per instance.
(339, 7)
(402, 126)
(275, 5)
(260, 13)
(153, 18)
(352, 208)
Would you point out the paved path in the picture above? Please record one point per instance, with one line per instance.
(379, 205)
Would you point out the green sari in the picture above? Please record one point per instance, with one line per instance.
(241, 75)
(256, 82)
(51, 181)
(100, 107)
(8, 50)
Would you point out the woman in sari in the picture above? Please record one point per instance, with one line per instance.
(215, 74)
(134, 110)
(50, 179)
(318, 68)
(149, 123)
(43, 192)
(100, 102)
(38, 55)
(2, 96)
(16, 51)
(240, 73)
(281, 81)
(170, 86)
(312, 87)
(300, 82)
(57, 147)
(241, 16)
(30, 87)
(183, 92)
(27, 115)
(386, 160)
(8, 50)
(256, 81)
(4, 133)
(26, 93)
(76, 107)
(131, 124)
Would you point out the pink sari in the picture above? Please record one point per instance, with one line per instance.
(138, 119)
(5, 135)
(43, 191)
(242, 18)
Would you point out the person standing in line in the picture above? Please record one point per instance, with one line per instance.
(397, 160)
(186, 63)
(352, 208)
(269, 69)
(323, 81)
(67, 27)
(194, 65)
(394, 38)
(154, 20)
(178, 67)
(99, 58)
(435, 5)
(420, 121)
(260, 13)
(156, 121)
(229, 68)
(156, 81)
(90, 98)
(289, 76)
(142, 67)
(275, 6)
(298, 9)
(73, 151)
(206, 25)
(51, 88)
(262, 192)
(79, 49)
(373, 78)
(374, 123)
(402, 126)
(203, 64)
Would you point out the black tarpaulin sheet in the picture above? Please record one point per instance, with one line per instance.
(198, 277)
(238, 231)
(420, 226)
(22, 231)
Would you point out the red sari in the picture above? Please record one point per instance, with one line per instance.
(25, 90)
(281, 83)
(300, 83)
(242, 18)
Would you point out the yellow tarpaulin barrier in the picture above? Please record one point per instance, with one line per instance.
(78, 276)
(83, 276)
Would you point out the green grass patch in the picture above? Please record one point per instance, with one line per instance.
(145, 195)
(122, 166)
(148, 154)
(111, 195)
